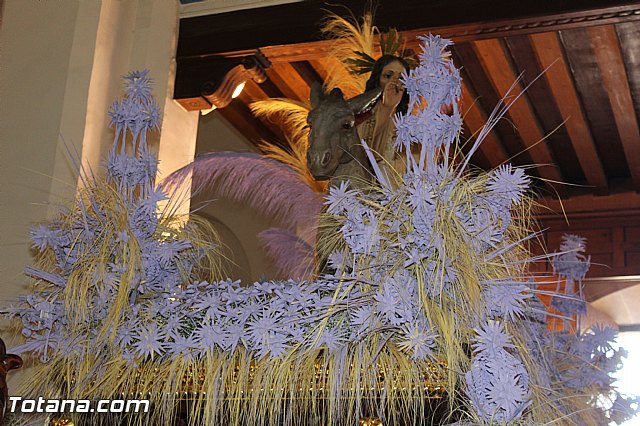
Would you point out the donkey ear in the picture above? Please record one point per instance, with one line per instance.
(336, 93)
(316, 94)
(363, 103)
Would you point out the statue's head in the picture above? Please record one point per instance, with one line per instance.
(332, 132)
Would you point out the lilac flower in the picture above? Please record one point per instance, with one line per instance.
(570, 243)
(507, 393)
(624, 408)
(150, 112)
(138, 85)
(364, 319)
(150, 340)
(274, 344)
(571, 263)
(417, 338)
(387, 301)
(451, 125)
(263, 327)
(414, 256)
(497, 386)
(209, 335)
(211, 304)
(508, 183)
(405, 126)
(235, 335)
(506, 300)
(569, 305)
(341, 199)
(247, 311)
(361, 232)
(434, 50)
(492, 338)
(422, 221)
(333, 338)
(43, 236)
(174, 325)
(337, 261)
(602, 337)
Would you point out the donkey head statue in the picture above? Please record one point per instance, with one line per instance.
(335, 151)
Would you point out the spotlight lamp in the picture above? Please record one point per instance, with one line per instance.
(219, 94)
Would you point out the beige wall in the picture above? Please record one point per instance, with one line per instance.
(40, 90)
(238, 225)
(62, 62)
(61, 66)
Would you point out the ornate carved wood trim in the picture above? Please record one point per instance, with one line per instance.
(536, 24)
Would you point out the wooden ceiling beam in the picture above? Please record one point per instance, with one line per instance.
(475, 118)
(614, 78)
(500, 71)
(287, 80)
(307, 72)
(294, 80)
(595, 103)
(318, 49)
(322, 67)
(588, 205)
(531, 24)
(558, 76)
(253, 93)
(629, 35)
(240, 117)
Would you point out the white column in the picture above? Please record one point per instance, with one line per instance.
(62, 68)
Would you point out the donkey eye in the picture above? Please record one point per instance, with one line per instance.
(347, 125)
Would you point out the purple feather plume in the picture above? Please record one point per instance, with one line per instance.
(292, 256)
(259, 182)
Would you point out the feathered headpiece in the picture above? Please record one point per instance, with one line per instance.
(391, 43)
(353, 46)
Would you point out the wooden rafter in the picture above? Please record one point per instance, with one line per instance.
(494, 60)
(549, 52)
(609, 58)
(287, 84)
(306, 72)
(629, 35)
(240, 117)
(253, 93)
(322, 67)
(595, 103)
(293, 79)
(475, 118)
(486, 96)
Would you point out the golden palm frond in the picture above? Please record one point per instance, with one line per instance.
(350, 36)
(291, 114)
(296, 159)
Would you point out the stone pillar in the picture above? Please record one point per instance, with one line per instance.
(62, 68)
